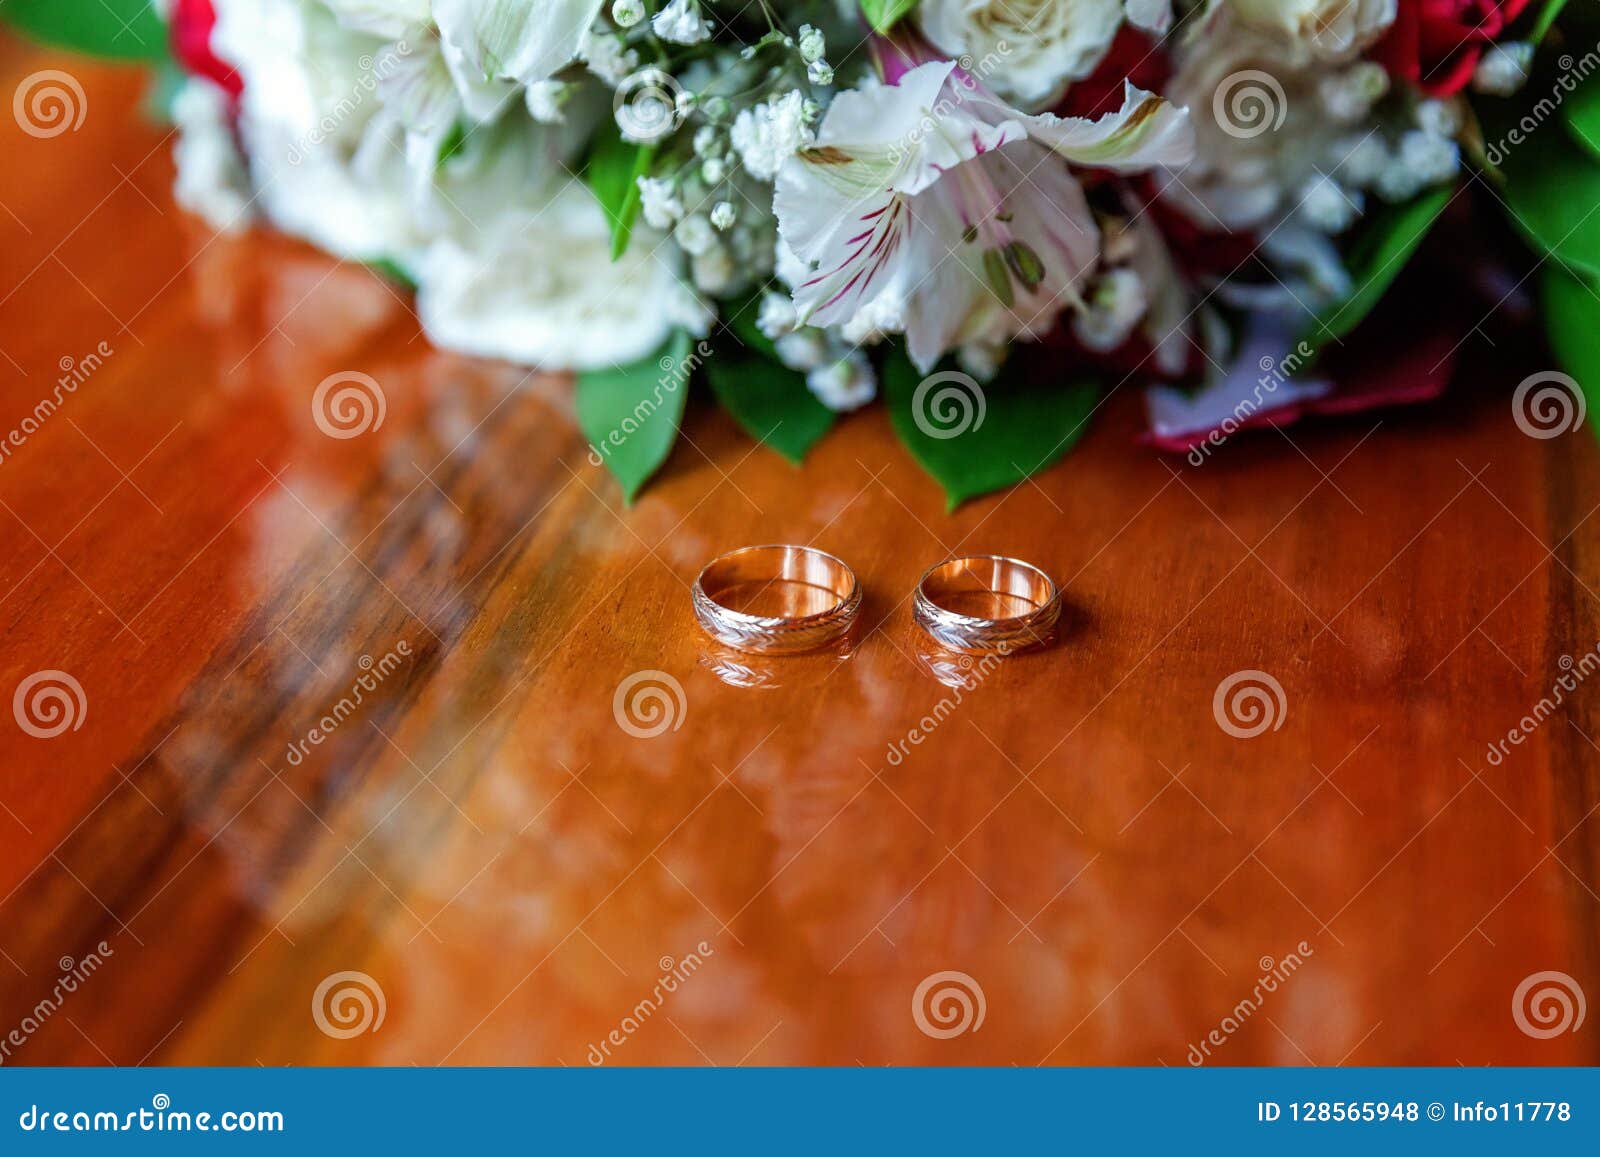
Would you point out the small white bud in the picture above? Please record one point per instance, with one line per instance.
(813, 45)
(627, 13)
(1503, 69)
(723, 215)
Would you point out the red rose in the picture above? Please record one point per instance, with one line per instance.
(192, 22)
(1436, 44)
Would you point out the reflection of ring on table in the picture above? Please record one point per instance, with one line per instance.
(776, 599)
(987, 603)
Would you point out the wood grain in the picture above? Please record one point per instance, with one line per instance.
(478, 835)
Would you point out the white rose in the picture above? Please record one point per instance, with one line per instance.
(324, 164)
(1026, 50)
(1330, 29)
(539, 287)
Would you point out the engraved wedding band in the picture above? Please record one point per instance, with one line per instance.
(987, 603)
(776, 599)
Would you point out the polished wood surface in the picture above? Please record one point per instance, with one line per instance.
(513, 870)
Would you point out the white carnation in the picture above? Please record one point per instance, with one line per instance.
(540, 288)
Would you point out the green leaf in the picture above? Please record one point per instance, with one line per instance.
(630, 414)
(885, 14)
(1572, 320)
(975, 439)
(613, 173)
(769, 400)
(1582, 114)
(391, 270)
(1551, 189)
(1390, 240)
(1547, 19)
(122, 29)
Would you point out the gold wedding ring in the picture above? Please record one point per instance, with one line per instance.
(987, 603)
(776, 599)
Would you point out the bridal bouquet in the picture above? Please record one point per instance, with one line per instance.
(989, 213)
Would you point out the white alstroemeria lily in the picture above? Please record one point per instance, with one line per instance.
(932, 203)
(522, 40)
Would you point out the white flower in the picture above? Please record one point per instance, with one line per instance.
(325, 166)
(1026, 50)
(212, 180)
(804, 349)
(627, 13)
(1330, 29)
(1262, 129)
(544, 101)
(1151, 15)
(714, 272)
(847, 384)
(516, 39)
(659, 203)
(695, 235)
(680, 22)
(1327, 206)
(723, 215)
(1422, 159)
(934, 194)
(769, 134)
(778, 316)
(1349, 95)
(390, 19)
(813, 45)
(539, 287)
(1116, 306)
(1503, 69)
(607, 57)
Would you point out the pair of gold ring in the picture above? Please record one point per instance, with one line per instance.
(787, 599)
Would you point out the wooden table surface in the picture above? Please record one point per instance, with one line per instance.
(771, 879)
